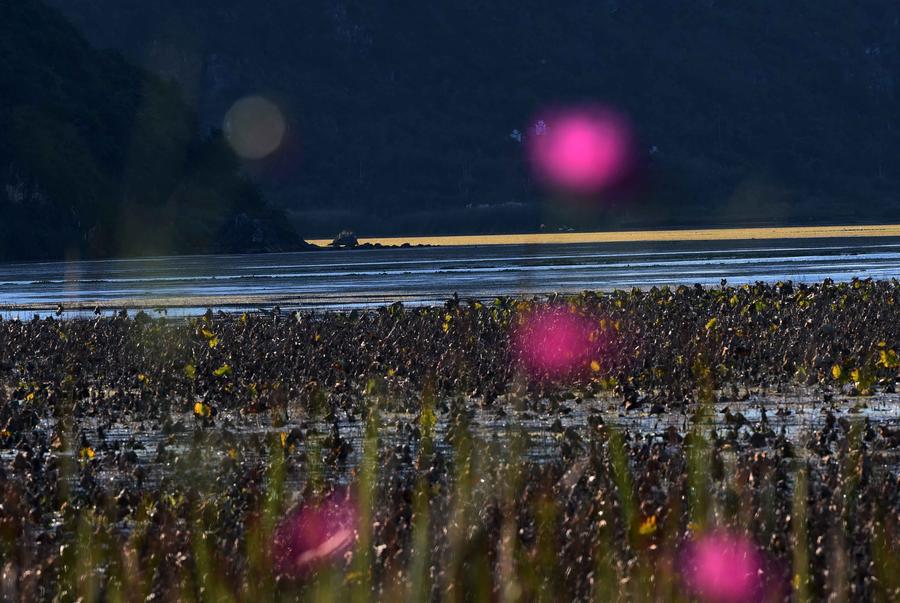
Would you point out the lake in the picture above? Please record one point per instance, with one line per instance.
(340, 279)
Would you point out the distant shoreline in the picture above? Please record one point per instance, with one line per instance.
(324, 299)
(637, 236)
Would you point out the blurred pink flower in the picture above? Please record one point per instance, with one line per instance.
(554, 341)
(315, 534)
(723, 568)
(584, 150)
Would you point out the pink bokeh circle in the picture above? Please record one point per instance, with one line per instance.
(555, 341)
(721, 567)
(583, 151)
(314, 535)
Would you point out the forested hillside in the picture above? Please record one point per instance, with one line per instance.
(400, 113)
(99, 157)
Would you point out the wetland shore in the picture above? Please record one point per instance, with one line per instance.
(175, 458)
(634, 236)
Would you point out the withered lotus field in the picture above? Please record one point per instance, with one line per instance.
(712, 444)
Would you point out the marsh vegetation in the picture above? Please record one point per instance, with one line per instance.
(720, 444)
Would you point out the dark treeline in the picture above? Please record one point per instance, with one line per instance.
(98, 157)
(400, 113)
(400, 117)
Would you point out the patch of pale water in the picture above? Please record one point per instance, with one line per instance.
(183, 286)
(547, 428)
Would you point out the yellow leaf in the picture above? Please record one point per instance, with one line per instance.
(854, 374)
(232, 453)
(30, 396)
(222, 371)
(391, 372)
(427, 420)
(445, 327)
(836, 371)
(207, 333)
(213, 342)
(595, 366)
(712, 322)
(143, 378)
(353, 578)
(86, 453)
(4, 433)
(888, 359)
(283, 439)
(648, 527)
(189, 371)
(244, 318)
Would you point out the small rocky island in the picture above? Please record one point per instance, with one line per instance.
(347, 239)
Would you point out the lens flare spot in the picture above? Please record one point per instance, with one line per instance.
(315, 535)
(555, 341)
(583, 151)
(723, 568)
(254, 127)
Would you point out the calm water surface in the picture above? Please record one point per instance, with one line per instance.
(342, 279)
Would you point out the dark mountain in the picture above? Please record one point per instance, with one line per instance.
(99, 157)
(400, 113)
